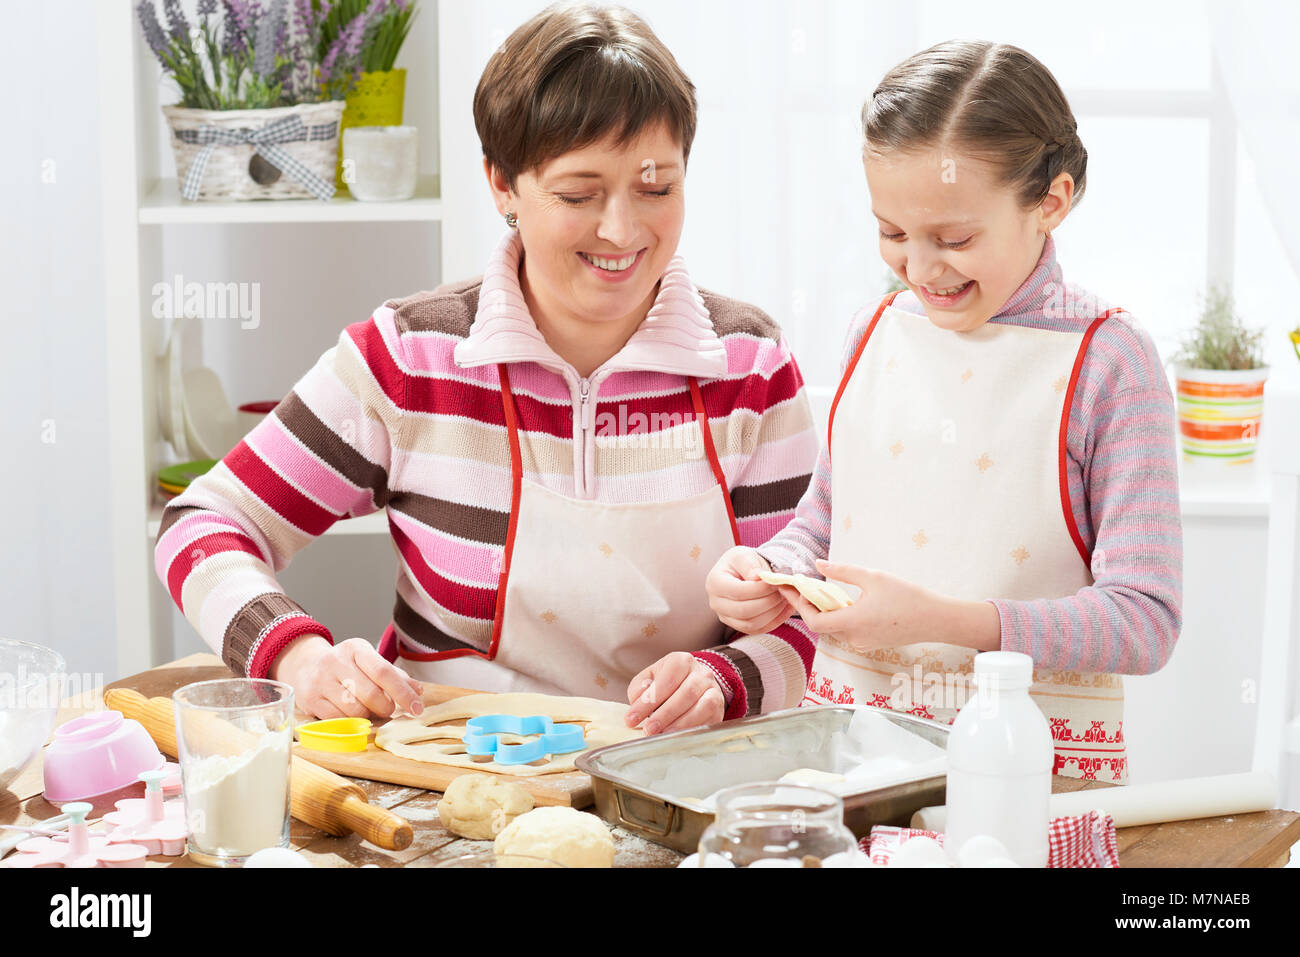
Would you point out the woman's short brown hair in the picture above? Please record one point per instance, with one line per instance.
(992, 100)
(571, 76)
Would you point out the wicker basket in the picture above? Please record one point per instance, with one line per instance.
(237, 171)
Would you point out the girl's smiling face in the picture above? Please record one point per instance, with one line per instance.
(958, 238)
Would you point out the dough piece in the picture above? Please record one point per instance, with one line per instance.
(814, 777)
(560, 834)
(446, 721)
(827, 596)
(479, 807)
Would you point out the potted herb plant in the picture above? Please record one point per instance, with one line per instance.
(363, 38)
(256, 119)
(1220, 375)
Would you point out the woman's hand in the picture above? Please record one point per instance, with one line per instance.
(347, 680)
(676, 692)
(739, 598)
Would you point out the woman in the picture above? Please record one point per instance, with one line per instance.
(537, 435)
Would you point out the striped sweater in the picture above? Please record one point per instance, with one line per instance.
(1123, 483)
(405, 414)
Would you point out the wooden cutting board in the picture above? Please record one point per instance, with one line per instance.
(571, 788)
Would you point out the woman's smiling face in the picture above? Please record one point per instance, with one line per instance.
(959, 239)
(599, 225)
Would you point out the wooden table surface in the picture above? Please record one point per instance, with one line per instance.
(1261, 839)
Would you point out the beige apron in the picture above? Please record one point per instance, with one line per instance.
(593, 593)
(949, 471)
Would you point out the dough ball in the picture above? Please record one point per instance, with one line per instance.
(479, 806)
(561, 834)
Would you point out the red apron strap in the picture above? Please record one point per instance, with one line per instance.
(853, 363)
(516, 485)
(702, 417)
(1063, 481)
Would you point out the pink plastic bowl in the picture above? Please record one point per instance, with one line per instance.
(95, 754)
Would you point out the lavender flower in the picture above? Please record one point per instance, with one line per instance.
(180, 28)
(207, 8)
(264, 45)
(239, 19)
(327, 64)
(302, 18)
(351, 36)
(153, 32)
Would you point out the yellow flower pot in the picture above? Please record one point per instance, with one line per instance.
(376, 101)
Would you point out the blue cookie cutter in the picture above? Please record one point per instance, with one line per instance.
(481, 737)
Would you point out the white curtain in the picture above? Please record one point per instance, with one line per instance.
(1254, 44)
(777, 211)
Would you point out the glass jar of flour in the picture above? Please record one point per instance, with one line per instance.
(234, 738)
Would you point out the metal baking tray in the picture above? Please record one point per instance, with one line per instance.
(625, 797)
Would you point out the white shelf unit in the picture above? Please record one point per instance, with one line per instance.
(139, 196)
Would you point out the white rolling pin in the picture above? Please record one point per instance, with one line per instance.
(1135, 804)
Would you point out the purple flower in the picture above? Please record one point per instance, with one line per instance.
(327, 65)
(153, 32)
(264, 46)
(239, 18)
(303, 21)
(351, 35)
(207, 8)
(180, 28)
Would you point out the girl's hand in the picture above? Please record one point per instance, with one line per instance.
(347, 680)
(739, 598)
(676, 692)
(889, 612)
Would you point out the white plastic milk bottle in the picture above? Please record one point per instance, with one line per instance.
(1000, 762)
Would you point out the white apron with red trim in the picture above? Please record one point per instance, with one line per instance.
(947, 451)
(593, 593)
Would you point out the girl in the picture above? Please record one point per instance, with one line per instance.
(1002, 442)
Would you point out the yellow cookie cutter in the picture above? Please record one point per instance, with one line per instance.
(335, 734)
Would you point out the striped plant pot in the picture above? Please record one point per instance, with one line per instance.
(1219, 413)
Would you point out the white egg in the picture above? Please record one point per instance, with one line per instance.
(848, 859)
(777, 862)
(979, 850)
(277, 857)
(713, 860)
(1002, 862)
(920, 852)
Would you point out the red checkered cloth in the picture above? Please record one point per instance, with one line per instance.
(1087, 840)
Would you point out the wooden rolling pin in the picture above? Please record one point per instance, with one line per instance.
(316, 796)
(1136, 804)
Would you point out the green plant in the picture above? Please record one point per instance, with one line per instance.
(1219, 340)
(383, 24)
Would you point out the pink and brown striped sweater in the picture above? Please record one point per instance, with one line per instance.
(404, 414)
(1123, 481)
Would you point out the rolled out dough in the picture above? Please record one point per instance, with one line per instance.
(827, 596)
(402, 736)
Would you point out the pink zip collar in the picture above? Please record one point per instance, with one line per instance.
(676, 336)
